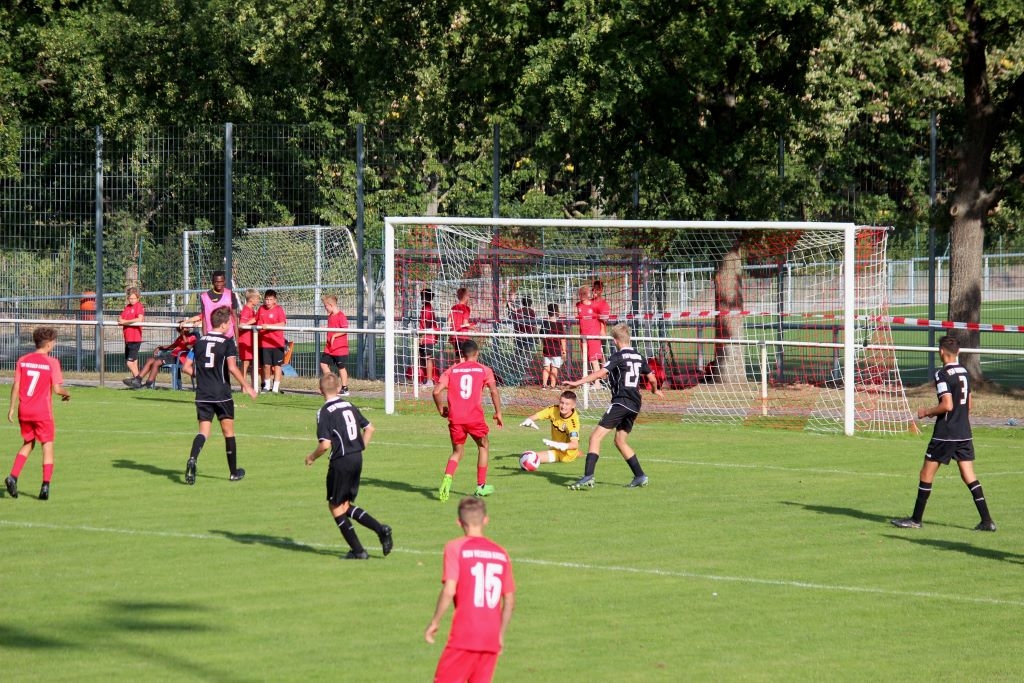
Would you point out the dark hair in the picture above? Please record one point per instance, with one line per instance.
(270, 292)
(216, 274)
(461, 292)
(220, 316)
(949, 344)
(472, 510)
(427, 296)
(526, 302)
(598, 286)
(41, 335)
(568, 394)
(467, 347)
(552, 309)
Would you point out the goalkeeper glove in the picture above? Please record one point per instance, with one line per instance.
(528, 423)
(556, 445)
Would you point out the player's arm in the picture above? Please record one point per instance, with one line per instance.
(944, 406)
(508, 603)
(444, 601)
(322, 446)
(14, 398)
(62, 392)
(239, 377)
(367, 435)
(439, 389)
(656, 390)
(496, 400)
(592, 377)
(530, 421)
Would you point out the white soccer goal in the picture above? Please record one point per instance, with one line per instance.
(744, 321)
(300, 262)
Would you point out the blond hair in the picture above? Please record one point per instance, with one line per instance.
(620, 332)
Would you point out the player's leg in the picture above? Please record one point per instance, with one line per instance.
(629, 455)
(458, 436)
(44, 490)
(205, 415)
(482, 455)
(593, 453)
(545, 373)
(343, 373)
(20, 458)
(227, 427)
(383, 531)
(924, 489)
(974, 486)
(339, 512)
(278, 370)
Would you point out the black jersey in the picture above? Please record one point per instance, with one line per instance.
(213, 382)
(956, 424)
(625, 369)
(341, 423)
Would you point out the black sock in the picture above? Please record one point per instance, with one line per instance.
(634, 465)
(364, 518)
(349, 534)
(979, 500)
(197, 445)
(588, 469)
(229, 448)
(923, 491)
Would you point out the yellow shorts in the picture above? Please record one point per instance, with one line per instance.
(566, 456)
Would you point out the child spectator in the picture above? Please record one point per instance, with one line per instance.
(428, 341)
(168, 354)
(591, 327)
(246, 321)
(270, 321)
(565, 429)
(336, 349)
(134, 312)
(36, 376)
(465, 414)
(483, 607)
(345, 432)
(459, 320)
(553, 349)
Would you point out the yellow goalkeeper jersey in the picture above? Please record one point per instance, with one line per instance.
(563, 430)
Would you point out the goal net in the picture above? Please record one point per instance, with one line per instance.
(300, 262)
(742, 322)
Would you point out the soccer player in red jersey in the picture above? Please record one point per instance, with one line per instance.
(246, 321)
(134, 312)
(464, 383)
(270, 321)
(428, 342)
(591, 327)
(459, 319)
(478, 579)
(36, 376)
(336, 349)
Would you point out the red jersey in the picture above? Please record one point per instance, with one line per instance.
(460, 321)
(482, 573)
(37, 374)
(246, 317)
(589, 314)
(131, 312)
(428, 322)
(271, 339)
(602, 309)
(465, 382)
(338, 346)
(182, 345)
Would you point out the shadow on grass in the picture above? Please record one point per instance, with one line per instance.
(17, 638)
(282, 542)
(177, 476)
(965, 548)
(856, 514)
(404, 486)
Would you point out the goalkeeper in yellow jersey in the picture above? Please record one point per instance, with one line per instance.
(565, 429)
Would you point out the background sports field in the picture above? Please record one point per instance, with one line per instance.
(754, 555)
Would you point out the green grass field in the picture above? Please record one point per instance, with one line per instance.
(754, 555)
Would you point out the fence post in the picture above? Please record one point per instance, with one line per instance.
(229, 154)
(361, 246)
(98, 331)
(932, 270)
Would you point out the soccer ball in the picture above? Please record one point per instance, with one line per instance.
(530, 461)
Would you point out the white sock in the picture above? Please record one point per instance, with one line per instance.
(277, 386)
(552, 457)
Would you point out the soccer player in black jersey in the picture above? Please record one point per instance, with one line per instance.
(345, 432)
(624, 370)
(214, 365)
(951, 439)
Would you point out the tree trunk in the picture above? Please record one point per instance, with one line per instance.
(729, 366)
(966, 244)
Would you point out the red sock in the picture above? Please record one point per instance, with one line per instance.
(450, 468)
(481, 475)
(19, 463)
(47, 473)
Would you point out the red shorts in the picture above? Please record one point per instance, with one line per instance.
(245, 352)
(459, 666)
(594, 350)
(459, 432)
(37, 430)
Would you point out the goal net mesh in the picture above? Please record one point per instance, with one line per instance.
(740, 325)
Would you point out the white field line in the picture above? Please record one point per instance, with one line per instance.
(669, 573)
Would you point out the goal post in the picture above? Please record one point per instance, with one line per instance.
(744, 319)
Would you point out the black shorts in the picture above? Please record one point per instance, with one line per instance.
(618, 417)
(222, 410)
(428, 351)
(944, 451)
(131, 350)
(337, 361)
(343, 478)
(271, 356)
